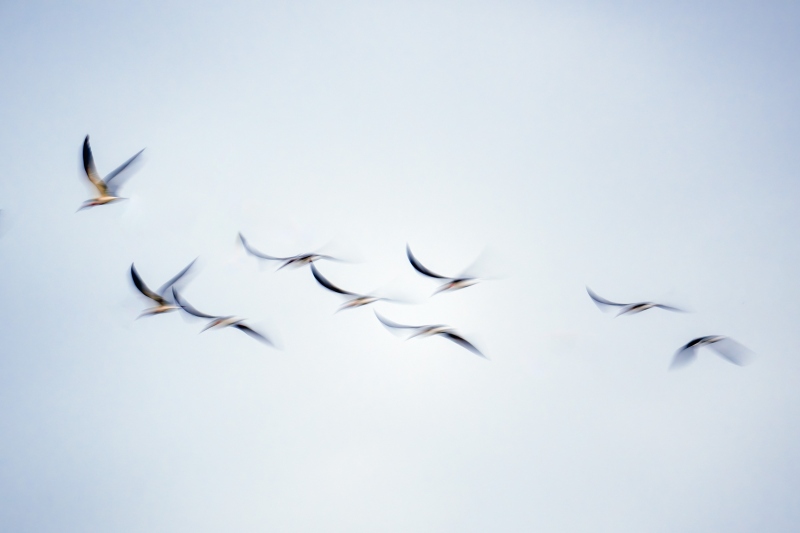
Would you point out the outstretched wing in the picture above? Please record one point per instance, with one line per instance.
(419, 266)
(175, 278)
(186, 306)
(732, 351)
(601, 302)
(253, 333)
(683, 357)
(389, 324)
(670, 308)
(91, 170)
(464, 343)
(253, 251)
(327, 284)
(116, 172)
(143, 288)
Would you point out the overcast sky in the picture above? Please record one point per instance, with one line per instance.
(647, 152)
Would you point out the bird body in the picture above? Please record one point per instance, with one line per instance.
(627, 309)
(359, 300)
(106, 190)
(294, 261)
(452, 284)
(223, 322)
(431, 330)
(219, 322)
(164, 305)
(725, 347)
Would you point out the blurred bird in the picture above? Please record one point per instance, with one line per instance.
(627, 309)
(106, 191)
(159, 297)
(293, 261)
(358, 301)
(453, 284)
(430, 330)
(221, 321)
(724, 346)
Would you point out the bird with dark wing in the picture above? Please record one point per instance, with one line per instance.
(627, 309)
(430, 330)
(451, 284)
(357, 300)
(108, 187)
(292, 261)
(218, 322)
(163, 300)
(725, 347)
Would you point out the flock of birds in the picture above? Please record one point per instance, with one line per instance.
(168, 298)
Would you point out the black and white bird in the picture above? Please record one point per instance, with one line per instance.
(293, 261)
(725, 347)
(627, 309)
(163, 300)
(357, 300)
(220, 321)
(452, 283)
(107, 188)
(430, 330)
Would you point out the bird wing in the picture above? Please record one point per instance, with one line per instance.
(419, 267)
(253, 333)
(253, 251)
(670, 308)
(175, 278)
(464, 343)
(732, 351)
(600, 301)
(91, 170)
(683, 357)
(143, 288)
(114, 173)
(186, 306)
(389, 324)
(327, 284)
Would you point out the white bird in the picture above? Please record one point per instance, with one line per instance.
(358, 300)
(627, 309)
(452, 284)
(159, 297)
(106, 190)
(429, 330)
(221, 321)
(725, 347)
(293, 261)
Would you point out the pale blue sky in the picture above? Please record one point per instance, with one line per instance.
(649, 152)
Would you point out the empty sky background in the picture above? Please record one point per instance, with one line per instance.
(648, 152)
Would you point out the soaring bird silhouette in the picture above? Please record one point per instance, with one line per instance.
(163, 300)
(293, 261)
(627, 309)
(220, 321)
(358, 300)
(429, 330)
(106, 190)
(452, 284)
(725, 347)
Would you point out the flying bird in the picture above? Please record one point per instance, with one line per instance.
(293, 261)
(725, 347)
(107, 191)
(627, 309)
(428, 331)
(165, 305)
(220, 321)
(452, 284)
(358, 300)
